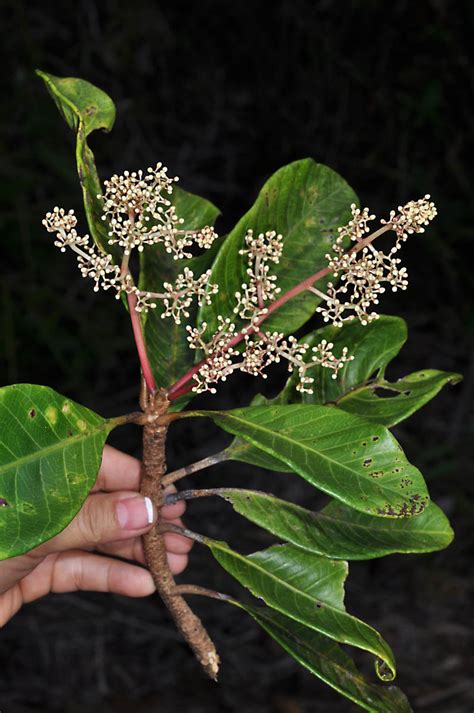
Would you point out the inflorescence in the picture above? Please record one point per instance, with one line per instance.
(139, 213)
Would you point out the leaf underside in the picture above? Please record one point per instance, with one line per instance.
(338, 531)
(324, 658)
(85, 108)
(307, 588)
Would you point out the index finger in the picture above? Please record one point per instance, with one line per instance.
(118, 471)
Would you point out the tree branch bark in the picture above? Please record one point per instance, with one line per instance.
(154, 467)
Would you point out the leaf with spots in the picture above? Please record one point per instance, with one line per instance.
(50, 454)
(306, 202)
(85, 108)
(307, 588)
(324, 658)
(389, 403)
(361, 387)
(355, 461)
(338, 531)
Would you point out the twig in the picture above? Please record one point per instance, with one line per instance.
(175, 475)
(174, 498)
(196, 589)
(177, 530)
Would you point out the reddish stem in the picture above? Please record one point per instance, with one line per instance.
(182, 386)
(140, 344)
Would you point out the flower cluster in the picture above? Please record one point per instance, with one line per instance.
(364, 273)
(64, 225)
(260, 287)
(138, 212)
(363, 270)
(260, 350)
(178, 297)
(98, 266)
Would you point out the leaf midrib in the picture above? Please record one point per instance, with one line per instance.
(354, 620)
(336, 463)
(38, 454)
(359, 681)
(314, 515)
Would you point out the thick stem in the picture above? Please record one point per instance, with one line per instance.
(182, 386)
(154, 466)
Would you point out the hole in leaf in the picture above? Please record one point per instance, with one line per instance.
(375, 439)
(32, 413)
(367, 462)
(406, 393)
(3, 503)
(383, 393)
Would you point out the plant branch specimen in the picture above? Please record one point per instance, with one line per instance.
(203, 307)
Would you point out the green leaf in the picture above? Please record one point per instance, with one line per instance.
(50, 454)
(373, 346)
(399, 399)
(308, 589)
(338, 531)
(326, 660)
(357, 462)
(166, 341)
(245, 452)
(85, 108)
(305, 202)
(361, 387)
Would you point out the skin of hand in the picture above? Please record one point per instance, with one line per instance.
(111, 522)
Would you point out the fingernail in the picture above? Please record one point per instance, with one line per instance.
(135, 513)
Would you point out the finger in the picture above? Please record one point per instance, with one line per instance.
(177, 544)
(104, 517)
(126, 549)
(14, 569)
(83, 571)
(133, 550)
(177, 563)
(118, 471)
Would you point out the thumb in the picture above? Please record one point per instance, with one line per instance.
(104, 517)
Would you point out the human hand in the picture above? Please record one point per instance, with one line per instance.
(110, 522)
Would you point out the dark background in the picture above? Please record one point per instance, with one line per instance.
(224, 94)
